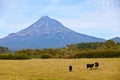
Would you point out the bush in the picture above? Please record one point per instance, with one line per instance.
(21, 56)
(14, 56)
(6, 56)
(97, 54)
(45, 56)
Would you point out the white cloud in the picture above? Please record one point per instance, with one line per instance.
(101, 21)
(2, 24)
(50, 7)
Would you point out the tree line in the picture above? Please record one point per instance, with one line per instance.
(4, 49)
(108, 49)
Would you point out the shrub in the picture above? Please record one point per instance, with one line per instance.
(6, 56)
(45, 56)
(14, 56)
(21, 56)
(97, 54)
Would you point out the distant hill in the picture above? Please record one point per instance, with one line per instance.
(116, 39)
(45, 33)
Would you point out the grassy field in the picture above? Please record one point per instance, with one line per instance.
(57, 69)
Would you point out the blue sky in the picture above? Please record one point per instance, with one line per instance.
(99, 18)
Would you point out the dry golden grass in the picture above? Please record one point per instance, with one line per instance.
(57, 69)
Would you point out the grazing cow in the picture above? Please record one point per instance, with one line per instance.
(90, 66)
(70, 68)
(96, 64)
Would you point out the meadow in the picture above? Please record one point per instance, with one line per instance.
(57, 69)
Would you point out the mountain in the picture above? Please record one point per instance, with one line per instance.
(116, 39)
(45, 33)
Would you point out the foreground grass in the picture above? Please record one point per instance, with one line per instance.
(57, 69)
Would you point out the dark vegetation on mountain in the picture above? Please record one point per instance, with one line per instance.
(108, 49)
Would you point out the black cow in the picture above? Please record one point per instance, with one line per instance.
(96, 64)
(70, 68)
(90, 66)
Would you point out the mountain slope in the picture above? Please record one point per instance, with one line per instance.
(45, 33)
(116, 39)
